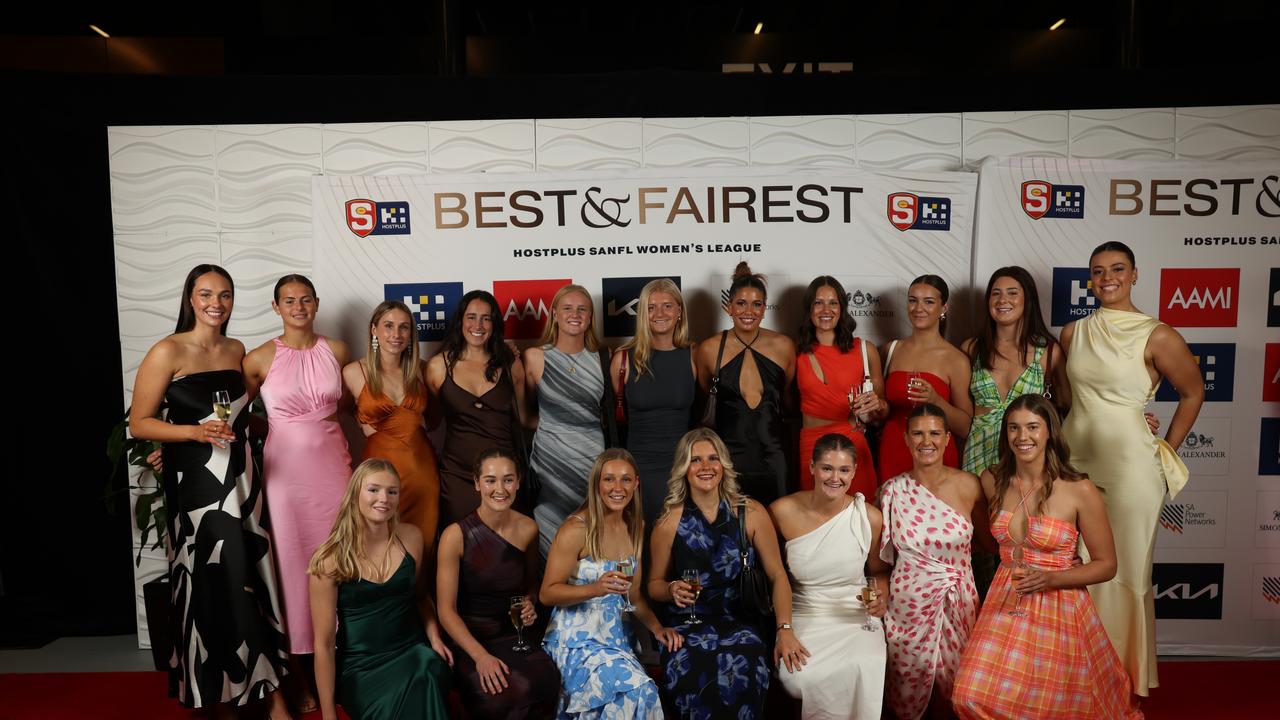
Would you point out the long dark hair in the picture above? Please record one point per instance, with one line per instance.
(937, 283)
(186, 312)
(1032, 332)
(500, 356)
(844, 326)
(1057, 454)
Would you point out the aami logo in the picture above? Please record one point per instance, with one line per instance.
(1269, 447)
(1271, 373)
(432, 305)
(1199, 297)
(1044, 200)
(366, 217)
(916, 212)
(525, 305)
(621, 300)
(1217, 363)
(1187, 591)
(1073, 296)
(1273, 299)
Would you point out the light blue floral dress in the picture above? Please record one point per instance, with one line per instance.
(592, 646)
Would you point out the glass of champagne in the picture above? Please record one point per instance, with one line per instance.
(517, 619)
(222, 405)
(868, 595)
(695, 584)
(627, 566)
(915, 382)
(1016, 573)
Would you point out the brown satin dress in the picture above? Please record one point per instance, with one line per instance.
(401, 439)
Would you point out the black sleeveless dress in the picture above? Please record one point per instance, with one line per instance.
(658, 415)
(226, 625)
(754, 435)
(474, 423)
(491, 573)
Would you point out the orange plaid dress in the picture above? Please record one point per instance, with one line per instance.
(1053, 662)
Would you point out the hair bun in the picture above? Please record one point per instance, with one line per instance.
(742, 270)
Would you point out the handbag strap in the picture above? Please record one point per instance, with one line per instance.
(742, 534)
(888, 358)
(866, 367)
(715, 376)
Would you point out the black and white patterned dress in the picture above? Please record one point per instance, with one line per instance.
(227, 629)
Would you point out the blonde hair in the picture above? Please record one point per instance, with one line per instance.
(678, 482)
(642, 342)
(408, 358)
(632, 514)
(345, 544)
(551, 331)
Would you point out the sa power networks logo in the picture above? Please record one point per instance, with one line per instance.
(1045, 200)
(1199, 297)
(1187, 591)
(525, 305)
(1269, 446)
(917, 212)
(1073, 296)
(1273, 299)
(1196, 520)
(621, 300)
(366, 217)
(432, 305)
(1271, 373)
(1266, 591)
(1217, 363)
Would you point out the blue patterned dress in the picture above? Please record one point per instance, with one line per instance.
(722, 670)
(591, 645)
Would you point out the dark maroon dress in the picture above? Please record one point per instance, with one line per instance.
(492, 572)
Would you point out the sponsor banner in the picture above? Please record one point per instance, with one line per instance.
(1271, 373)
(1207, 447)
(697, 224)
(1273, 299)
(1265, 592)
(621, 299)
(1072, 296)
(875, 304)
(1187, 591)
(1269, 446)
(1199, 297)
(1217, 363)
(1194, 520)
(1268, 527)
(431, 304)
(526, 305)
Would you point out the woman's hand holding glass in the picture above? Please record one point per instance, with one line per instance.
(612, 582)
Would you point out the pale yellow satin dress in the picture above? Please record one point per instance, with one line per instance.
(1110, 440)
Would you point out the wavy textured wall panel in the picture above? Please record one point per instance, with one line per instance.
(467, 146)
(909, 142)
(697, 142)
(256, 261)
(808, 140)
(1141, 134)
(264, 176)
(1228, 133)
(591, 144)
(988, 134)
(375, 149)
(162, 179)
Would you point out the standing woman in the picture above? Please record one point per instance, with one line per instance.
(930, 516)
(372, 654)
(588, 636)
(390, 399)
(924, 368)
(722, 670)
(656, 376)
(1115, 359)
(566, 378)
(477, 383)
(305, 465)
(229, 639)
(747, 370)
(832, 373)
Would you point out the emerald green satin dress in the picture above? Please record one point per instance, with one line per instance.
(386, 669)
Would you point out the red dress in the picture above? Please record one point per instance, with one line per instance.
(830, 401)
(894, 456)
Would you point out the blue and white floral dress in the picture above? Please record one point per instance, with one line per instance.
(722, 670)
(592, 645)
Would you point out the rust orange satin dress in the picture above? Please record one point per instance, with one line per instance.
(401, 439)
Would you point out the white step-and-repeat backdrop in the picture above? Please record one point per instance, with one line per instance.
(608, 203)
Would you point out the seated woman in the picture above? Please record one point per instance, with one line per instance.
(487, 563)
(830, 537)
(723, 669)
(585, 582)
(1039, 649)
(931, 515)
(362, 583)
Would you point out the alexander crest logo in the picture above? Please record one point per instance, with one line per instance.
(1198, 441)
(1199, 297)
(908, 211)
(1041, 199)
(366, 217)
(432, 305)
(526, 305)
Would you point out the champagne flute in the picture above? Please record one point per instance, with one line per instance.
(1016, 573)
(222, 405)
(915, 381)
(695, 584)
(627, 566)
(517, 619)
(868, 595)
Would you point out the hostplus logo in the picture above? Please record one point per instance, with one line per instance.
(432, 305)
(1273, 295)
(917, 212)
(1044, 200)
(1269, 446)
(1073, 296)
(1217, 363)
(1199, 297)
(1178, 517)
(621, 299)
(366, 217)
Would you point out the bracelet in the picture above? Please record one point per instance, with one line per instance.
(669, 590)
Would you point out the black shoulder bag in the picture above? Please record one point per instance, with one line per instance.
(753, 584)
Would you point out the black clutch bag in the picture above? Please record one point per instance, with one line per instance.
(753, 584)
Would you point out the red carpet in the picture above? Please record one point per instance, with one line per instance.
(1191, 690)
